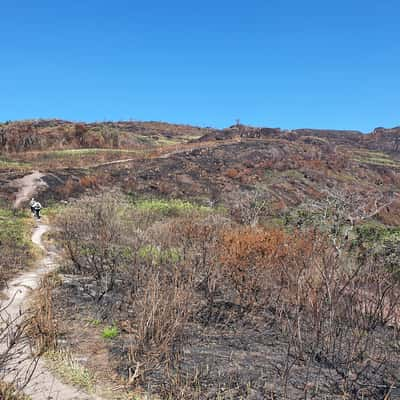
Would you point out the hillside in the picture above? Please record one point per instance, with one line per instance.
(379, 139)
(203, 264)
(286, 166)
(36, 135)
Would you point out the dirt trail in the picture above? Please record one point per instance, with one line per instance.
(43, 385)
(203, 145)
(28, 185)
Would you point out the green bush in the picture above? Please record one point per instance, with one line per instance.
(174, 207)
(110, 332)
(372, 232)
(155, 255)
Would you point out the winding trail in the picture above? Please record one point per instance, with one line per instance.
(166, 153)
(43, 384)
(28, 185)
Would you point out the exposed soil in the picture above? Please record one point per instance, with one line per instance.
(27, 186)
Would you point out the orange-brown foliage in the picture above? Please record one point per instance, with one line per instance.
(89, 181)
(69, 188)
(257, 260)
(231, 173)
(390, 215)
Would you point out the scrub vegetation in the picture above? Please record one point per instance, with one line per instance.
(300, 308)
(197, 263)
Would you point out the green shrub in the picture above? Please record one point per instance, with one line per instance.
(372, 232)
(174, 207)
(110, 332)
(155, 255)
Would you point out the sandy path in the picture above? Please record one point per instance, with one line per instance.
(28, 186)
(205, 145)
(43, 385)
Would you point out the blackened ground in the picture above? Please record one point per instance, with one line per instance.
(234, 356)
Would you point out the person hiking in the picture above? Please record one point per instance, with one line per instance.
(32, 203)
(37, 207)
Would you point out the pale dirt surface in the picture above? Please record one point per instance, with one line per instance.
(28, 186)
(43, 385)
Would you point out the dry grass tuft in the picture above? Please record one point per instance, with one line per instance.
(42, 325)
(9, 392)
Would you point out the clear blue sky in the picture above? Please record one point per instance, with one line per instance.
(292, 64)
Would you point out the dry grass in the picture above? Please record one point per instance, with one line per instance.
(9, 392)
(70, 369)
(163, 304)
(16, 250)
(42, 324)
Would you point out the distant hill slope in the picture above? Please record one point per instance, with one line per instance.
(284, 172)
(20, 136)
(54, 134)
(387, 140)
(287, 167)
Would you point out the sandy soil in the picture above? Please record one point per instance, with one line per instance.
(28, 186)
